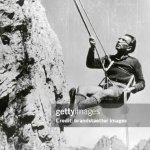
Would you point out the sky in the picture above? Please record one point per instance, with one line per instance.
(111, 19)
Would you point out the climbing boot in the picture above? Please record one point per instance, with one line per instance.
(74, 100)
(72, 94)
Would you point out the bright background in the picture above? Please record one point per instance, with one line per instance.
(111, 19)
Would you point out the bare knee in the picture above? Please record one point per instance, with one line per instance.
(89, 90)
(99, 93)
(82, 90)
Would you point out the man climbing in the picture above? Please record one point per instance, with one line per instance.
(119, 73)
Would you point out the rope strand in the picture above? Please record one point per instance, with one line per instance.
(93, 27)
(82, 17)
(89, 33)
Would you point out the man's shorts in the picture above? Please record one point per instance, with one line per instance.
(115, 95)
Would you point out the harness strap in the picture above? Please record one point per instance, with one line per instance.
(128, 85)
(82, 17)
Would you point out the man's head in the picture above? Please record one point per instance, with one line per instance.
(127, 43)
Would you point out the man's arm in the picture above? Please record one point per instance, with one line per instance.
(91, 61)
(140, 82)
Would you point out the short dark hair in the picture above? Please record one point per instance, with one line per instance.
(132, 43)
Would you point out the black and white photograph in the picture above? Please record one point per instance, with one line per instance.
(74, 75)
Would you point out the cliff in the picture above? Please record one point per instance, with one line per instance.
(31, 77)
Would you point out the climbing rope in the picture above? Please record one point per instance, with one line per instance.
(93, 28)
(77, 6)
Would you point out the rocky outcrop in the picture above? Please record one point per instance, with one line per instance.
(147, 145)
(31, 77)
(117, 144)
(105, 143)
(142, 145)
(112, 143)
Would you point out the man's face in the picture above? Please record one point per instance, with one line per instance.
(123, 44)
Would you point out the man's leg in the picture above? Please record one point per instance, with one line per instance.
(89, 90)
(82, 98)
(97, 93)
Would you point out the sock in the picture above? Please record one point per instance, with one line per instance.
(87, 103)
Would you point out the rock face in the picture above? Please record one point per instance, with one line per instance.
(105, 143)
(117, 144)
(142, 145)
(110, 144)
(31, 77)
